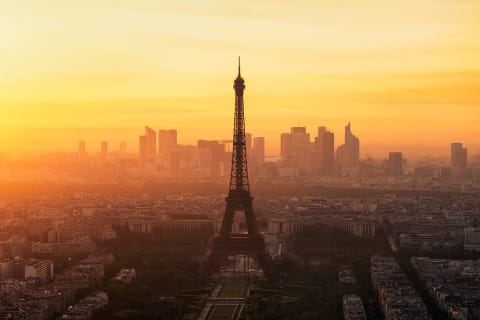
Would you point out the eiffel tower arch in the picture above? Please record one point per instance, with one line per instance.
(239, 198)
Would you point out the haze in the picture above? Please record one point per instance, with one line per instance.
(406, 74)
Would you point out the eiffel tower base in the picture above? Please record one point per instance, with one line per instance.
(240, 245)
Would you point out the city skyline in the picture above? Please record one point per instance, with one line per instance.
(405, 71)
(116, 136)
(300, 156)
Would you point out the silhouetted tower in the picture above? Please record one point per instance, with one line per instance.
(239, 199)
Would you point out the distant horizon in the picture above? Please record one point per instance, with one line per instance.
(57, 140)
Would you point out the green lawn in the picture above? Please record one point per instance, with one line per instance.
(223, 312)
(234, 289)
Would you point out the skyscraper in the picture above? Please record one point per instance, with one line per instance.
(104, 148)
(167, 142)
(175, 160)
(300, 141)
(285, 145)
(295, 144)
(257, 157)
(123, 147)
(142, 148)
(211, 156)
(151, 140)
(395, 163)
(459, 155)
(325, 146)
(348, 154)
(258, 151)
(81, 147)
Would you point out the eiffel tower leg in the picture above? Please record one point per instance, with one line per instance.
(227, 223)
(251, 220)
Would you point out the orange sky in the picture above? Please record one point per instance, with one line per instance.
(405, 73)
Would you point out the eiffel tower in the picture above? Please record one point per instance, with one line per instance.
(239, 199)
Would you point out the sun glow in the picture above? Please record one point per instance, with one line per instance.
(404, 74)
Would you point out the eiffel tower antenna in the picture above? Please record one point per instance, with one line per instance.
(239, 66)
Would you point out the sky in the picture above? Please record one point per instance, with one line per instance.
(406, 73)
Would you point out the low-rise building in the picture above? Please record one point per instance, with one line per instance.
(397, 298)
(360, 227)
(126, 275)
(85, 308)
(40, 269)
(454, 285)
(353, 308)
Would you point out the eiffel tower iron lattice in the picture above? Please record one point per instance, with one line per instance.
(239, 198)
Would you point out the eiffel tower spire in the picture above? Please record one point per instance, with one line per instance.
(239, 184)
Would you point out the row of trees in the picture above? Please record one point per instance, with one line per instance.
(310, 288)
(165, 263)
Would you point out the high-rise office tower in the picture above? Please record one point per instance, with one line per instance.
(294, 144)
(395, 163)
(325, 146)
(188, 154)
(300, 140)
(258, 151)
(167, 142)
(104, 148)
(151, 141)
(257, 157)
(321, 130)
(348, 154)
(459, 155)
(248, 144)
(211, 156)
(142, 148)
(123, 147)
(81, 147)
(205, 159)
(285, 145)
(175, 161)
